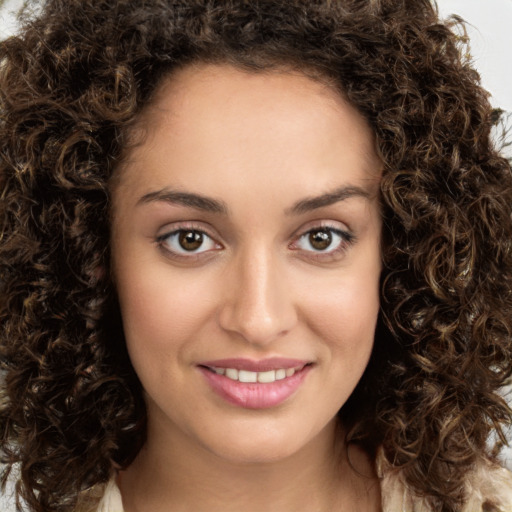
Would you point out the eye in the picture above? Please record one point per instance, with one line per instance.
(324, 240)
(185, 241)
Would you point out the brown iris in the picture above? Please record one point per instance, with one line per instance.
(190, 240)
(320, 239)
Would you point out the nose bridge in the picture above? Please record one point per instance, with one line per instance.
(258, 305)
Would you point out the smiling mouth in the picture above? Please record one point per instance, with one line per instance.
(265, 377)
(255, 384)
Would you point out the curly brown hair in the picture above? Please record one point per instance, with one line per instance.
(72, 84)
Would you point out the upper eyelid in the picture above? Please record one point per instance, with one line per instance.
(344, 234)
(175, 227)
(337, 226)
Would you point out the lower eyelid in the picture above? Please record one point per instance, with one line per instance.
(330, 255)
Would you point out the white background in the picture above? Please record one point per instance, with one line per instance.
(490, 31)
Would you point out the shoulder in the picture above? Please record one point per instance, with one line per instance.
(488, 486)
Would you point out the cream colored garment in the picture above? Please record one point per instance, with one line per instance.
(111, 501)
(487, 484)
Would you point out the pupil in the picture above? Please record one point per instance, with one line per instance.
(190, 240)
(321, 239)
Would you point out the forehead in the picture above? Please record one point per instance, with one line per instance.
(206, 121)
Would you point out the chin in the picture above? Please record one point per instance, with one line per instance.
(267, 442)
(256, 452)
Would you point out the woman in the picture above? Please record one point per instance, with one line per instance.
(255, 255)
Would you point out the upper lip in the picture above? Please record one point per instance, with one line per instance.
(263, 365)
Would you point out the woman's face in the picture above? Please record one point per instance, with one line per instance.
(246, 256)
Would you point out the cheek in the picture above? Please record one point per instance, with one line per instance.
(344, 316)
(161, 312)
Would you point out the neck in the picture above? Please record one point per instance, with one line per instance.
(177, 475)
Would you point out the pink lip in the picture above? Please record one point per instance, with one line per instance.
(255, 395)
(265, 365)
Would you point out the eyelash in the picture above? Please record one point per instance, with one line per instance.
(346, 240)
(162, 242)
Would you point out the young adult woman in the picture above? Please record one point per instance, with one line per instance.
(254, 256)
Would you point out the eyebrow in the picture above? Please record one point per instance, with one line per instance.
(208, 204)
(188, 199)
(327, 199)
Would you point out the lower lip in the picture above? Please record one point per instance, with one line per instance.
(254, 395)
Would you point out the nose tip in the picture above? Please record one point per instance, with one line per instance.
(256, 328)
(258, 306)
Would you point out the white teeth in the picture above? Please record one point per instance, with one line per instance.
(246, 376)
(269, 376)
(280, 374)
(231, 373)
(263, 377)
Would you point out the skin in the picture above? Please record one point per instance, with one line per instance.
(261, 146)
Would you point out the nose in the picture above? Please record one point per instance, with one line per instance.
(258, 303)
